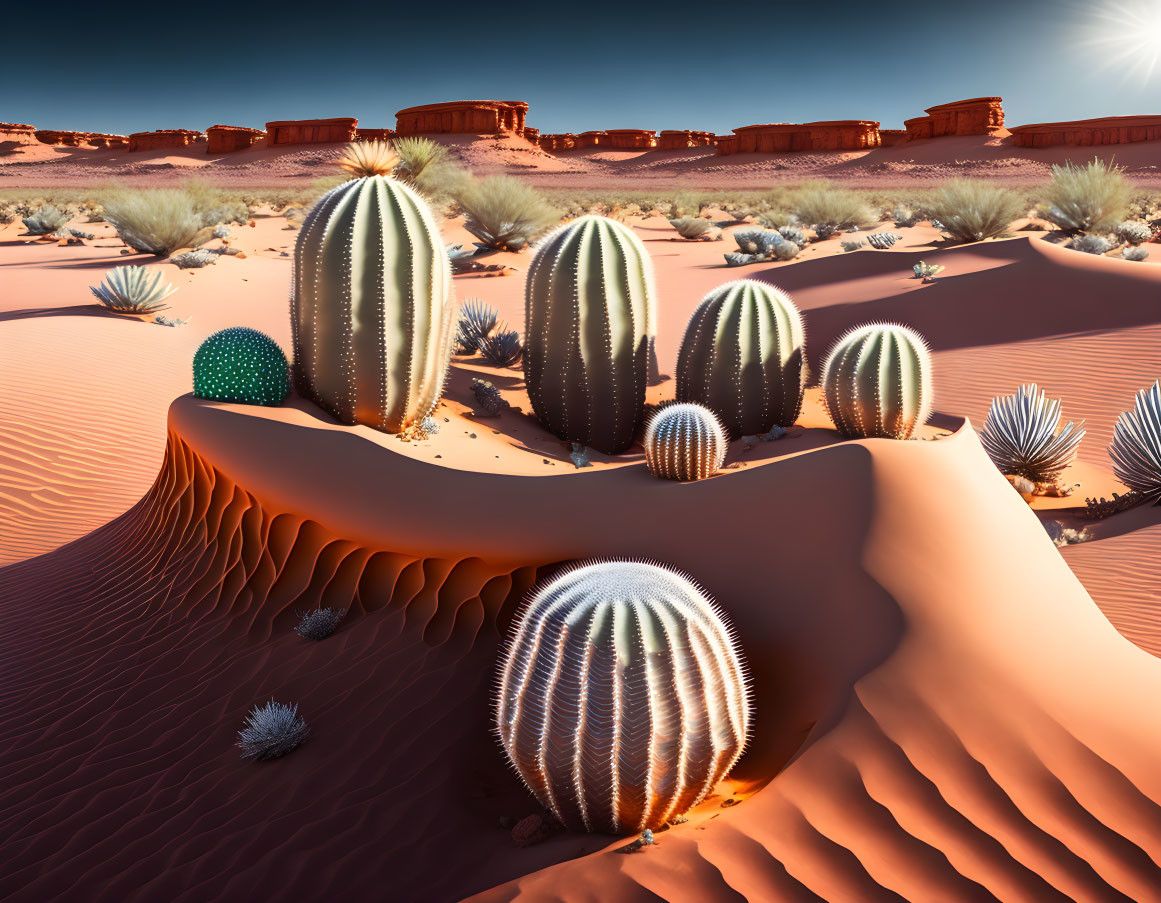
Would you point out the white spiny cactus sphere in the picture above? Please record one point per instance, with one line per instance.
(1022, 435)
(684, 442)
(1136, 447)
(623, 697)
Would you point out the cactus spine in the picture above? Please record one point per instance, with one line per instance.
(372, 314)
(743, 357)
(876, 381)
(684, 442)
(590, 322)
(622, 697)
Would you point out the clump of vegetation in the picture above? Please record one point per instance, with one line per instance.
(828, 209)
(416, 157)
(927, 271)
(242, 366)
(756, 245)
(504, 213)
(794, 234)
(271, 731)
(1090, 244)
(47, 220)
(194, 260)
(1083, 198)
(1137, 253)
(1023, 436)
(849, 246)
(477, 320)
(1132, 232)
(694, 227)
(973, 210)
(502, 347)
(319, 623)
(881, 241)
(905, 218)
(133, 290)
(158, 221)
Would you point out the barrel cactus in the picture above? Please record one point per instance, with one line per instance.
(743, 357)
(622, 696)
(590, 325)
(372, 314)
(243, 366)
(684, 442)
(876, 381)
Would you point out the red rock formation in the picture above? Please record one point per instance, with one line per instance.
(222, 139)
(631, 139)
(62, 139)
(17, 133)
(1088, 132)
(977, 116)
(561, 142)
(480, 117)
(891, 137)
(673, 139)
(97, 139)
(163, 139)
(782, 137)
(726, 144)
(531, 135)
(374, 134)
(311, 131)
(592, 139)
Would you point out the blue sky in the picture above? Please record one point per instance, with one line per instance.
(123, 66)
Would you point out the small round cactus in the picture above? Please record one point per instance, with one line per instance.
(243, 366)
(684, 442)
(622, 696)
(876, 381)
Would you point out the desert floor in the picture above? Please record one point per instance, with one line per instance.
(944, 712)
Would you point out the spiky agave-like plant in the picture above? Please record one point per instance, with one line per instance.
(501, 348)
(271, 731)
(589, 332)
(743, 357)
(133, 290)
(876, 381)
(372, 313)
(623, 697)
(1022, 435)
(1136, 445)
(684, 442)
(477, 320)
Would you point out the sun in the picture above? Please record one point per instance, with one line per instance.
(1125, 36)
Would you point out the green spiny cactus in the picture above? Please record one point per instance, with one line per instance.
(243, 366)
(876, 381)
(684, 442)
(743, 357)
(590, 323)
(372, 310)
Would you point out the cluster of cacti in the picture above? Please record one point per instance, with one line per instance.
(1133, 232)
(684, 442)
(927, 271)
(757, 245)
(622, 697)
(501, 347)
(880, 241)
(243, 366)
(476, 321)
(743, 357)
(1090, 244)
(695, 227)
(1023, 437)
(589, 334)
(1136, 446)
(372, 313)
(876, 381)
(133, 290)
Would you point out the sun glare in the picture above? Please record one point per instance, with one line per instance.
(1126, 36)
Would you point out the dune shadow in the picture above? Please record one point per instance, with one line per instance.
(71, 310)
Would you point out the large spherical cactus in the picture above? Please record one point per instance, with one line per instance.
(590, 322)
(623, 696)
(243, 366)
(372, 311)
(684, 442)
(743, 357)
(876, 381)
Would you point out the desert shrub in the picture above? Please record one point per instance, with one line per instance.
(1082, 198)
(794, 234)
(905, 218)
(158, 220)
(828, 209)
(243, 366)
(972, 210)
(692, 226)
(505, 213)
(271, 731)
(777, 219)
(1090, 244)
(417, 156)
(319, 623)
(133, 290)
(1137, 253)
(1132, 232)
(927, 271)
(502, 347)
(47, 220)
(1023, 436)
(477, 320)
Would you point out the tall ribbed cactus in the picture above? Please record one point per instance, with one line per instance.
(372, 313)
(590, 322)
(684, 442)
(622, 696)
(876, 381)
(743, 357)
